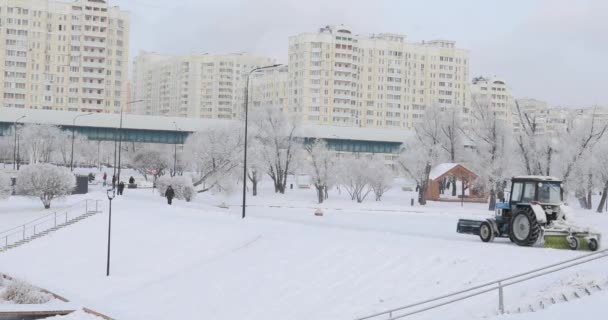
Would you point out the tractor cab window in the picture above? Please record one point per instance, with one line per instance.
(549, 192)
(516, 194)
(529, 189)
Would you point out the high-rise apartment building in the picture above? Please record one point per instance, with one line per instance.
(339, 78)
(269, 87)
(494, 94)
(63, 55)
(198, 85)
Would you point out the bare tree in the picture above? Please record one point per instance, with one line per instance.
(150, 160)
(353, 176)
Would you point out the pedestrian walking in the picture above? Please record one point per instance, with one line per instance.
(105, 177)
(169, 194)
(113, 181)
(121, 188)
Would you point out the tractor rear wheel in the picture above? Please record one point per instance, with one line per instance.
(524, 229)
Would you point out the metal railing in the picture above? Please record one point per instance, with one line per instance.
(497, 285)
(47, 222)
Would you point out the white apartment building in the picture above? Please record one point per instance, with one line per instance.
(534, 112)
(339, 78)
(197, 85)
(269, 87)
(69, 56)
(495, 94)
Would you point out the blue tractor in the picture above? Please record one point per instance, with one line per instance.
(534, 214)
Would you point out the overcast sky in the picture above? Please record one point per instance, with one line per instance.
(554, 50)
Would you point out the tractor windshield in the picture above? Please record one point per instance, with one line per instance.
(549, 192)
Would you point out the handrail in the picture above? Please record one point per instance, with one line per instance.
(577, 261)
(45, 223)
(44, 217)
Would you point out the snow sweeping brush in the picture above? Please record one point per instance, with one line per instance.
(563, 239)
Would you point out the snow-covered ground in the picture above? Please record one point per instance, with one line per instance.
(196, 260)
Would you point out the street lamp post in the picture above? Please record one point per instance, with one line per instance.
(73, 129)
(246, 122)
(15, 145)
(111, 194)
(175, 152)
(120, 139)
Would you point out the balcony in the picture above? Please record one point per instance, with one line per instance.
(93, 75)
(96, 65)
(93, 85)
(94, 44)
(94, 54)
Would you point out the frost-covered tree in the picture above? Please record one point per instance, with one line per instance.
(452, 142)
(46, 182)
(256, 166)
(276, 133)
(39, 141)
(600, 158)
(5, 185)
(353, 176)
(491, 154)
(424, 150)
(380, 176)
(321, 167)
(151, 161)
(215, 155)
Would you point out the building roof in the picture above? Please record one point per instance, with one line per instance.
(162, 123)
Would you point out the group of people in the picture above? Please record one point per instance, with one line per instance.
(120, 188)
(169, 193)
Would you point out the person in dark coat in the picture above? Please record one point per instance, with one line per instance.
(105, 177)
(113, 181)
(131, 180)
(169, 194)
(121, 188)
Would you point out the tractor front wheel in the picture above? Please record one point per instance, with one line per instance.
(524, 229)
(486, 233)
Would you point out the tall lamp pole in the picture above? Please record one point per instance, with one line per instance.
(73, 129)
(111, 194)
(120, 139)
(246, 123)
(15, 145)
(175, 152)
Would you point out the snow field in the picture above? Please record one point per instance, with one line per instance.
(197, 260)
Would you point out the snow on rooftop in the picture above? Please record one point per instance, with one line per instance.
(145, 122)
(441, 169)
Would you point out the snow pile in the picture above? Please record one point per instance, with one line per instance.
(21, 292)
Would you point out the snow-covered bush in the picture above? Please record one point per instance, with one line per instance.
(46, 182)
(162, 183)
(183, 187)
(5, 185)
(21, 292)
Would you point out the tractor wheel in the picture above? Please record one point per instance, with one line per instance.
(485, 232)
(524, 229)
